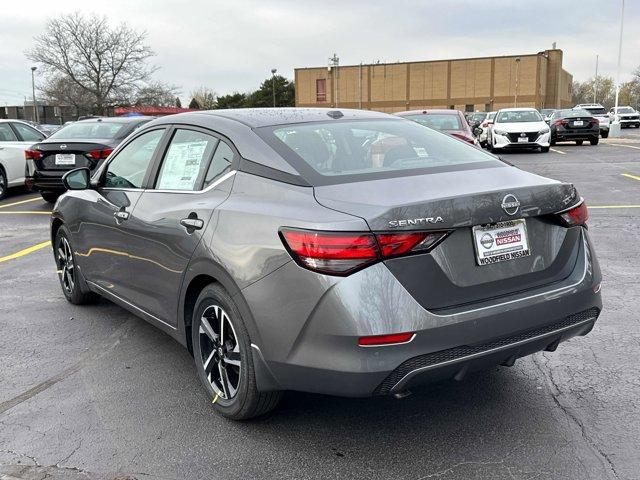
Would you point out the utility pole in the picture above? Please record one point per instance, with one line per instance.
(515, 99)
(333, 64)
(273, 85)
(595, 82)
(614, 130)
(36, 117)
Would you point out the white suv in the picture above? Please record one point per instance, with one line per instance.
(628, 116)
(517, 128)
(598, 112)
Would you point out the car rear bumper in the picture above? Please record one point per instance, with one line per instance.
(312, 344)
(45, 183)
(579, 135)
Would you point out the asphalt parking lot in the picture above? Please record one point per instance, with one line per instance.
(96, 393)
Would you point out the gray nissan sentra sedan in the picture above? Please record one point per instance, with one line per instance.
(335, 251)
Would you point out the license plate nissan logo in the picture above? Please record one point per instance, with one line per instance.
(510, 204)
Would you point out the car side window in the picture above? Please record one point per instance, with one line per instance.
(186, 159)
(220, 164)
(28, 134)
(6, 133)
(128, 168)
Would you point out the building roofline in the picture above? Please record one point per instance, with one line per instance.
(540, 53)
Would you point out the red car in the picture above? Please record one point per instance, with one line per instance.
(448, 121)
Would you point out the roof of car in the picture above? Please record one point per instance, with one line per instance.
(519, 109)
(263, 117)
(432, 110)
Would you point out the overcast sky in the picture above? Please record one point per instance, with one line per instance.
(232, 45)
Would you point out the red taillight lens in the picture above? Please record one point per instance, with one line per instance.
(596, 121)
(577, 215)
(100, 154)
(391, 339)
(338, 253)
(463, 137)
(32, 155)
(561, 122)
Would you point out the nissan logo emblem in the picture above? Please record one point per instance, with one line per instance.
(523, 134)
(486, 241)
(63, 146)
(510, 204)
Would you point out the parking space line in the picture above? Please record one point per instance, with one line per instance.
(26, 251)
(27, 212)
(622, 145)
(628, 175)
(20, 202)
(558, 151)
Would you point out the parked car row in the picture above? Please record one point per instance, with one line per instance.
(29, 157)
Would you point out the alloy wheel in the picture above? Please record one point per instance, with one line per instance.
(65, 265)
(220, 352)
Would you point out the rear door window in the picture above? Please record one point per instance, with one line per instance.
(186, 160)
(220, 163)
(27, 133)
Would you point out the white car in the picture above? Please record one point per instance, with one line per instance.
(15, 137)
(484, 127)
(628, 116)
(598, 112)
(518, 128)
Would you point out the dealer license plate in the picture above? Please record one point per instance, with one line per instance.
(523, 139)
(578, 123)
(499, 242)
(65, 159)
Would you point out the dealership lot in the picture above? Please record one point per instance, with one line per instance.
(94, 392)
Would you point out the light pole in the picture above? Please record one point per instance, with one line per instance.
(595, 81)
(614, 129)
(36, 117)
(273, 85)
(515, 99)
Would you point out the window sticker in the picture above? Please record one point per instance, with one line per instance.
(182, 165)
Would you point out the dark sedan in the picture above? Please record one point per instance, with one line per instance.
(86, 143)
(574, 126)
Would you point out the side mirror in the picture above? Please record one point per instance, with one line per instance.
(77, 179)
(477, 131)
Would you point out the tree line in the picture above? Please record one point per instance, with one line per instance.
(602, 89)
(85, 62)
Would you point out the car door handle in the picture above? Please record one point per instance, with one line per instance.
(192, 223)
(121, 215)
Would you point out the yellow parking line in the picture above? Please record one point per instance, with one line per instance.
(20, 202)
(628, 175)
(26, 251)
(592, 207)
(28, 212)
(621, 145)
(558, 151)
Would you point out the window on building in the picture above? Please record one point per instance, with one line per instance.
(468, 108)
(487, 107)
(321, 90)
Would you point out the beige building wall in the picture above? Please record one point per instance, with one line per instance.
(534, 80)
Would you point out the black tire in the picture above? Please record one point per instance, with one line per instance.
(579, 142)
(544, 149)
(594, 141)
(236, 397)
(50, 197)
(604, 134)
(552, 142)
(3, 183)
(68, 273)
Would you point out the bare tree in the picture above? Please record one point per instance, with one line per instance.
(107, 63)
(156, 93)
(205, 97)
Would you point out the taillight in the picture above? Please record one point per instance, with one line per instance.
(463, 137)
(100, 154)
(342, 253)
(595, 120)
(561, 122)
(32, 155)
(576, 215)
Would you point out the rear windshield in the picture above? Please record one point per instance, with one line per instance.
(519, 116)
(578, 112)
(353, 150)
(439, 121)
(595, 110)
(83, 130)
(478, 117)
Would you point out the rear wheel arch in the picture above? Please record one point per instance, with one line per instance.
(55, 226)
(198, 277)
